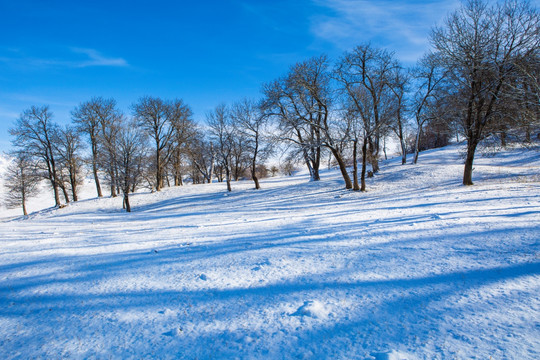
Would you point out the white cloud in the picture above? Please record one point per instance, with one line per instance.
(402, 26)
(95, 58)
(84, 57)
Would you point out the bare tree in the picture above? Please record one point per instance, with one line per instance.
(21, 181)
(239, 155)
(68, 146)
(110, 119)
(429, 78)
(521, 99)
(131, 148)
(250, 122)
(202, 156)
(34, 134)
(87, 117)
(478, 45)
(284, 102)
(364, 75)
(184, 131)
(399, 83)
(157, 118)
(221, 133)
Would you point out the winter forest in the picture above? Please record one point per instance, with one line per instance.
(480, 79)
(357, 209)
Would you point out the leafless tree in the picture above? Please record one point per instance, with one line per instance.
(87, 117)
(250, 122)
(478, 45)
(110, 119)
(202, 156)
(240, 160)
(302, 103)
(68, 146)
(285, 102)
(34, 134)
(221, 132)
(429, 77)
(364, 75)
(399, 85)
(154, 115)
(20, 180)
(184, 130)
(521, 100)
(131, 153)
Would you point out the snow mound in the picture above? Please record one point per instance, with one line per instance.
(392, 355)
(314, 309)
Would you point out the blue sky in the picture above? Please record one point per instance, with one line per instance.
(61, 53)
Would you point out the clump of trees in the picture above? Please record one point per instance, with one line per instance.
(480, 78)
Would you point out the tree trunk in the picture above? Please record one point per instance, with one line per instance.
(73, 183)
(356, 187)
(126, 202)
(308, 164)
(254, 175)
(54, 181)
(113, 182)
(256, 181)
(373, 155)
(159, 174)
(316, 176)
(254, 164)
(467, 172)
(403, 152)
(56, 193)
(317, 164)
(417, 145)
(343, 168)
(24, 204)
(64, 192)
(364, 166)
(95, 170)
(228, 178)
(212, 166)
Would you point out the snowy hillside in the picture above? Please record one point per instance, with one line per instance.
(419, 267)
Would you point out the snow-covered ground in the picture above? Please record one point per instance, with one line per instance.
(419, 267)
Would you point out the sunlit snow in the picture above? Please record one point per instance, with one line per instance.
(419, 267)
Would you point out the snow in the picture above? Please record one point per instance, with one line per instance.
(418, 267)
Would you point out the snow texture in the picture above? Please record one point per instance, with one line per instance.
(418, 267)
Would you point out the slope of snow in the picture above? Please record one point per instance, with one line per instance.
(419, 267)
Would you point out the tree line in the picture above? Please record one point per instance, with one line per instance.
(480, 78)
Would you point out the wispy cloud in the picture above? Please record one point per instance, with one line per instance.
(95, 58)
(70, 58)
(402, 26)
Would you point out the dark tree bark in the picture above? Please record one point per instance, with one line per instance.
(356, 187)
(364, 166)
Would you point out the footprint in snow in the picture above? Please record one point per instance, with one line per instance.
(173, 332)
(258, 267)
